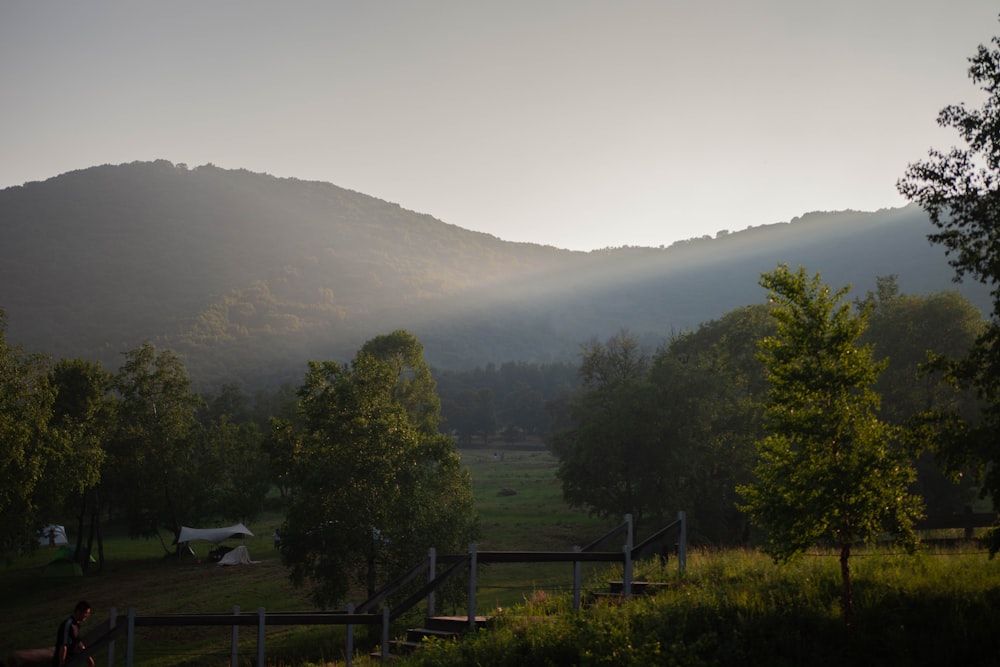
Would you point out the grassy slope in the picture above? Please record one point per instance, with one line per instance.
(731, 608)
(138, 576)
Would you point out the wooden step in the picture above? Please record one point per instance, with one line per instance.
(439, 627)
(638, 587)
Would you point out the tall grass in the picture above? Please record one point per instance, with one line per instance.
(739, 608)
(730, 608)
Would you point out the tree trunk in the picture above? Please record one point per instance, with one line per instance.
(847, 596)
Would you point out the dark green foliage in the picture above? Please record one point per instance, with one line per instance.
(33, 459)
(709, 389)
(960, 191)
(157, 476)
(374, 483)
(611, 461)
(85, 414)
(510, 398)
(829, 471)
(917, 337)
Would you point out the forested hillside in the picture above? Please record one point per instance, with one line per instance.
(246, 275)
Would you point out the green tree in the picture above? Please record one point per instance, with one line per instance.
(710, 387)
(916, 336)
(280, 428)
(83, 412)
(160, 471)
(32, 480)
(960, 191)
(376, 483)
(242, 474)
(610, 458)
(829, 469)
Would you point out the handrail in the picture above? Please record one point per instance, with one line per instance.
(394, 585)
(607, 536)
(654, 538)
(428, 588)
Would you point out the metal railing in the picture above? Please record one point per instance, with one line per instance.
(364, 614)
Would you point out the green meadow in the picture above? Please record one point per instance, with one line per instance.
(730, 608)
(138, 575)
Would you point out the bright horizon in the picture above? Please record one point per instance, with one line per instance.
(573, 123)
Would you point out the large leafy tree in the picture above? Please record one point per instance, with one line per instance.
(375, 483)
(917, 337)
(34, 461)
(829, 471)
(960, 190)
(161, 475)
(83, 413)
(611, 461)
(241, 473)
(710, 388)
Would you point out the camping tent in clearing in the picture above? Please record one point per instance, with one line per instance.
(213, 535)
(238, 556)
(52, 535)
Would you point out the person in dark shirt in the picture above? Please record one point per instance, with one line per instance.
(68, 642)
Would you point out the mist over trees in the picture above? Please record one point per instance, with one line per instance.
(694, 411)
(245, 276)
(207, 291)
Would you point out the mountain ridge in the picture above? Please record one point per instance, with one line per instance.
(248, 275)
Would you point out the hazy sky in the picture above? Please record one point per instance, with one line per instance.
(574, 123)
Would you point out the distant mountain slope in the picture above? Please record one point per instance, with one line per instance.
(248, 275)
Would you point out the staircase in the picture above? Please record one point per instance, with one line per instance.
(437, 627)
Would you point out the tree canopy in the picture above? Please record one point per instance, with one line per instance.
(960, 191)
(375, 483)
(829, 470)
(31, 458)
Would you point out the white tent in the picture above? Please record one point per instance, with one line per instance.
(214, 535)
(53, 534)
(238, 556)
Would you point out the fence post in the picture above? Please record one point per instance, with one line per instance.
(112, 624)
(130, 645)
(472, 586)
(234, 652)
(627, 577)
(349, 649)
(385, 633)
(260, 637)
(576, 580)
(432, 557)
(682, 543)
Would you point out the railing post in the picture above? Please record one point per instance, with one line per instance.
(349, 649)
(432, 557)
(576, 580)
(682, 543)
(130, 645)
(472, 586)
(385, 633)
(112, 624)
(627, 573)
(260, 636)
(234, 653)
(627, 576)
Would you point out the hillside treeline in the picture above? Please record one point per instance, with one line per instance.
(652, 430)
(649, 432)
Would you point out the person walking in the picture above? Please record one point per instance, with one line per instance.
(68, 642)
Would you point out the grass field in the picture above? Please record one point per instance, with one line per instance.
(520, 505)
(907, 600)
